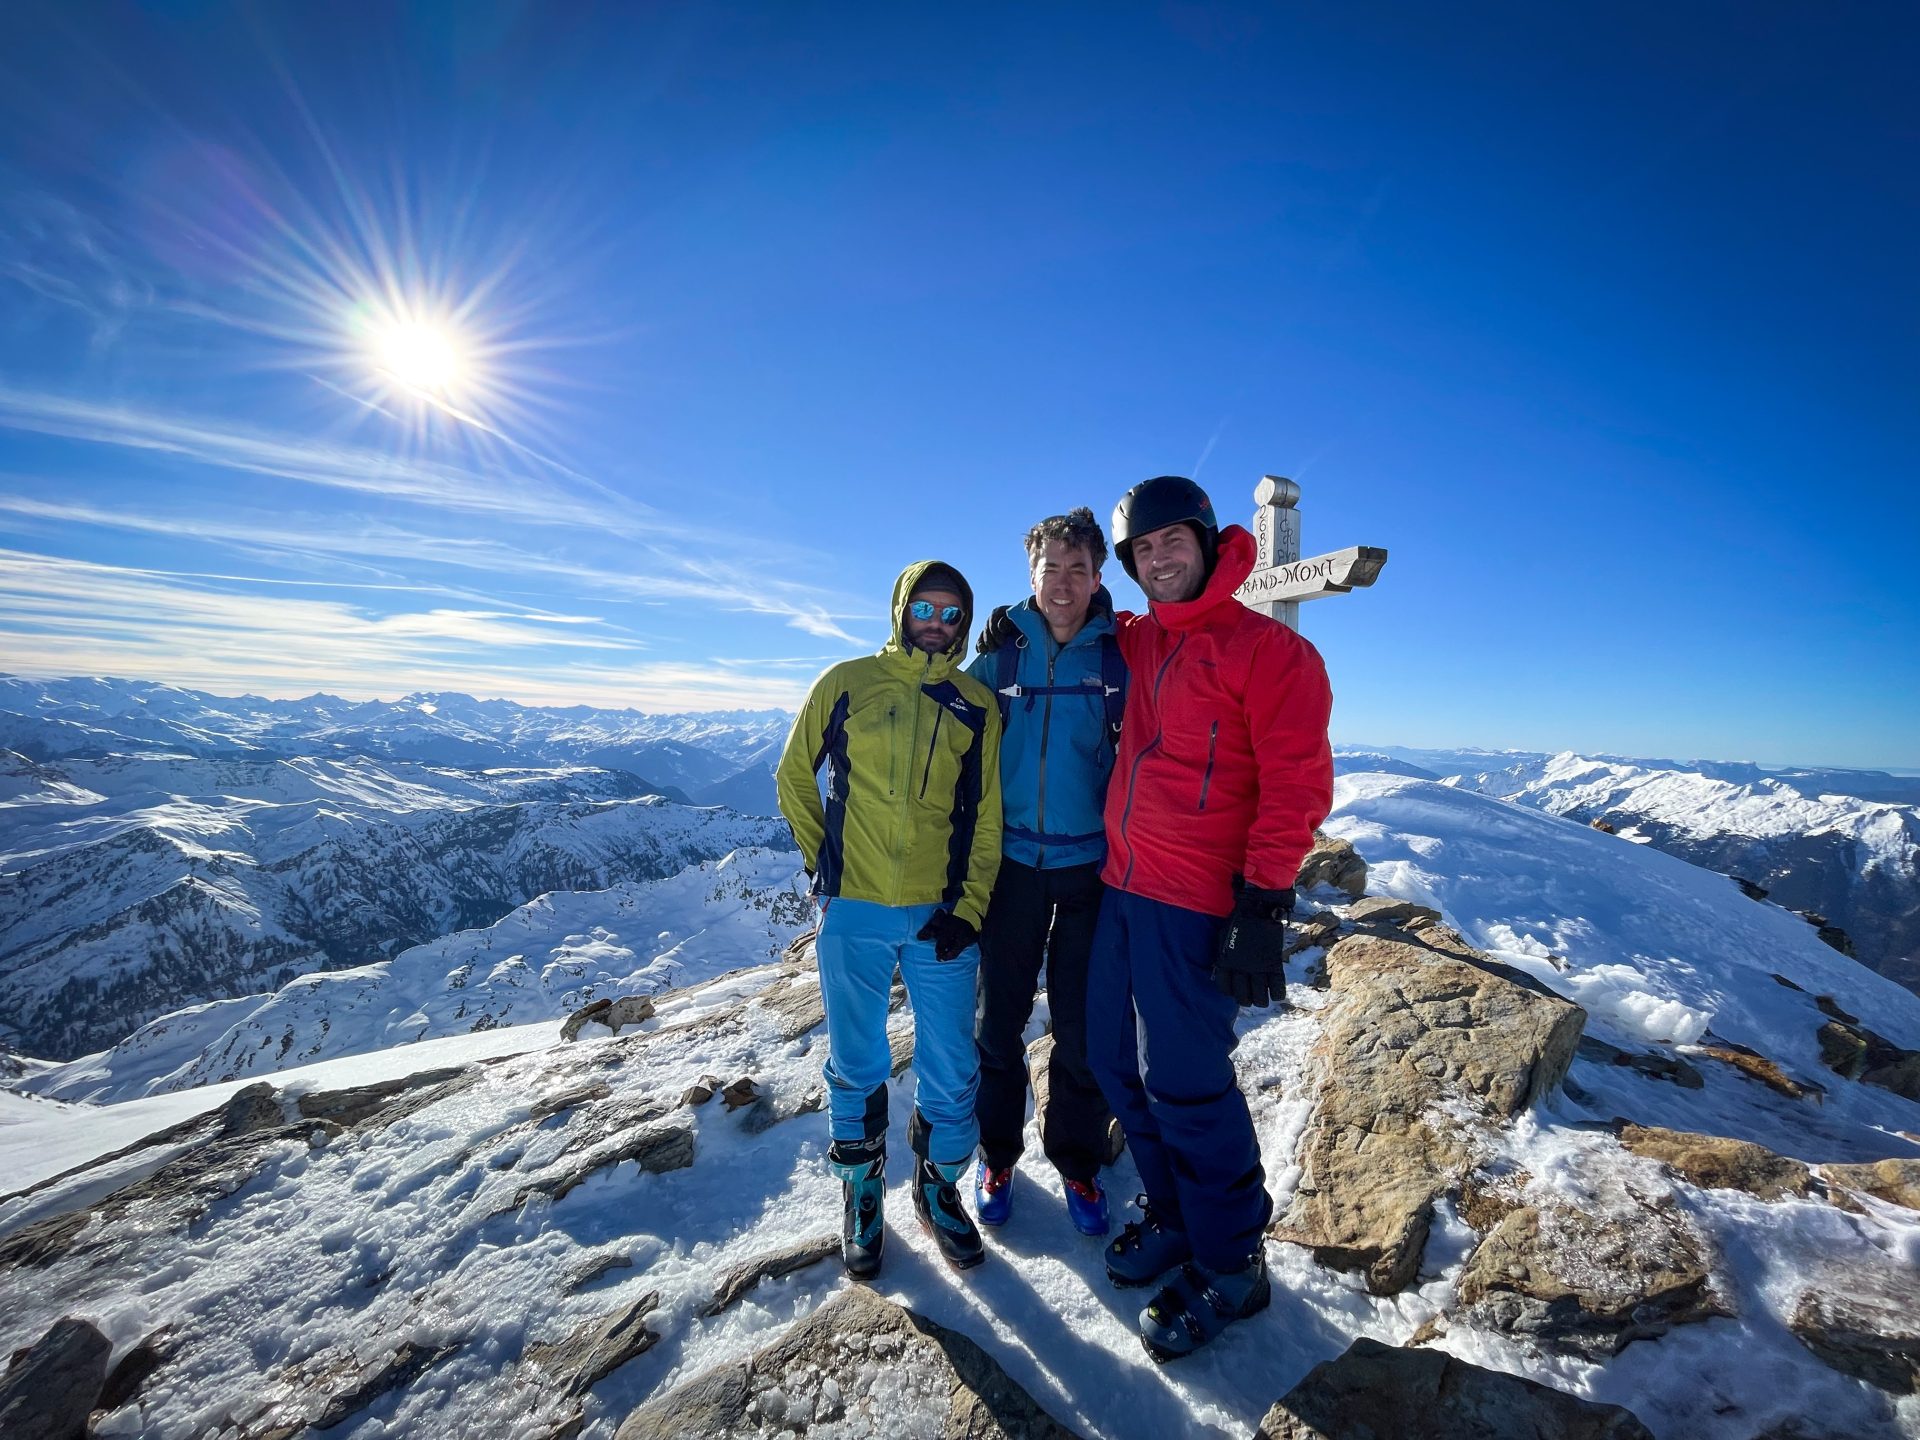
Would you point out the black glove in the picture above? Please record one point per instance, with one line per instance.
(949, 933)
(1250, 963)
(998, 631)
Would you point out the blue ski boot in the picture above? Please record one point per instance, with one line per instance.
(1146, 1249)
(861, 1166)
(1086, 1206)
(1198, 1304)
(992, 1194)
(936, 1198)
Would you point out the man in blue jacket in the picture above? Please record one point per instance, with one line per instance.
(1056, 671)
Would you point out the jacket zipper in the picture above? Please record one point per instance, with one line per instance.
(1206, 781)
(1133, 778)
(927, 773)
(1046, 729)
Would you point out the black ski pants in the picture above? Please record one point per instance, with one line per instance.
(1039, 917)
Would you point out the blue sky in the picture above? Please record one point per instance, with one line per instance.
(1602, 320)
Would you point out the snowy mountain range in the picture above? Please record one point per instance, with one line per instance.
(131, 885)
(1610, 1177)
(680, 756)
(1842, 845)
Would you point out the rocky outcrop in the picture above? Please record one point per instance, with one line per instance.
(596, 1348)
(1588, 1284)
(859, 1362)
(1334, 864)
(1411, 1024)
(1756, 1067)
(1655, 1065)
(1895, 1181)
(48, 1392)
(1715, 1163)
(611, 1015)
(1861, 1330)
(742, 1278)
(1851, 1050)
(1374, 1391)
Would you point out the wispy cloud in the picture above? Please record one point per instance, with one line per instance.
(345, 539)
(64, 617)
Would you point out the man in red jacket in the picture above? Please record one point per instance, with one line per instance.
(1222, 774)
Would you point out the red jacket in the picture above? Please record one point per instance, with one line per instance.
(1224, 767)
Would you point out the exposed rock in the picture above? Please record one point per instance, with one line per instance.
(1652, 1064)
(656, 1149)
(1715, 1163)
(1854, 1052)
(548, 1105)
(1411, 1024)
(1756, 1066)
(1334, 863)
(1384, 910)
(741, 1092)
(1374, 1391)
(250, 1108)
(795, 1004)
(615, 1015)
(597, 1347)
(599, 1263)
(859, 1360)
(1869, 1335)
(900, 1043)
(1895, 1181)
(701, 1091)
(1748, 888)
(135, 1368)
(1319, 928)
(1588, 1284)
(49, 1391)
(797, 1256)
(357, 1103)
(402, 1366)
(1040, 1078)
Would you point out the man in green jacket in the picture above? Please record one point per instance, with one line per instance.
(903, 855)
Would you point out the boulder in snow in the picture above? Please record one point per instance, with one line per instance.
(1376, 1390)
(1411, 1024)
(861, 1362)
(51, 1388)
(1715, 1163)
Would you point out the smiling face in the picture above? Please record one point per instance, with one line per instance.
(1170, 563)
(933, 635)
(1063, 584)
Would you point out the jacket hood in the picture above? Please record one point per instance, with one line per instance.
(903, 589)
(1033, 624)
(1237, 553)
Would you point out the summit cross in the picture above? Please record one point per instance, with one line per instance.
(1280, 578)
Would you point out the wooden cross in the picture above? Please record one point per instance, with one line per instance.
(1280, 578)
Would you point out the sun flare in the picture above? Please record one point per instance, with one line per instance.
(419, 355)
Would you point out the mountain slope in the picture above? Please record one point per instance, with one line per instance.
(183, 880)
(421, 1270)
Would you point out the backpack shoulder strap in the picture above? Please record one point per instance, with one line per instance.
(1006, 663)
(1113, 686)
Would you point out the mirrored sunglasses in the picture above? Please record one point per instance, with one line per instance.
(926, 609)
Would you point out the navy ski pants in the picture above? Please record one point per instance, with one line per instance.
(1160, 1040)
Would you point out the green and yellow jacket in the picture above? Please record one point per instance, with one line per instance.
(912, 749)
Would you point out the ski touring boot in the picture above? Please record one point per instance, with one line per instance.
(861, 1166)
(1146, 1249)
(937, 1200)
(992, 1194)
(1198, 1304)
(1086, 1206)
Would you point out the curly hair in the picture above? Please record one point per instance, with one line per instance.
(1076, 527)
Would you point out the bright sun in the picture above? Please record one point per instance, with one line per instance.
(419, 356)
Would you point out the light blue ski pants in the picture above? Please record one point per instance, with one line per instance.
(859, 946)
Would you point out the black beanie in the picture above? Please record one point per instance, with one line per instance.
(942, 576)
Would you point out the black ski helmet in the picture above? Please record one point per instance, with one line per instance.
(1159, 502)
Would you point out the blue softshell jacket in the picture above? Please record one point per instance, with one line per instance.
(1056, 751)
